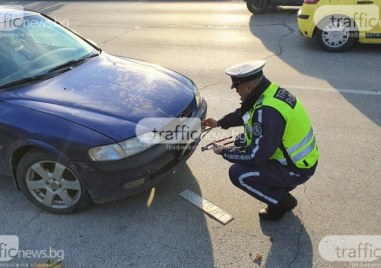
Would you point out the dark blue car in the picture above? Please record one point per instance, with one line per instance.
(69, 113)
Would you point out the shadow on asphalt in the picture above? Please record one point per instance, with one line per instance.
(144, 230)
(305, 56)
(290, 243)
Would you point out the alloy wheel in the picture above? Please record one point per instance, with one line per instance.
(53, 184)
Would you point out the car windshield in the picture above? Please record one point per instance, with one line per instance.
(37, 48)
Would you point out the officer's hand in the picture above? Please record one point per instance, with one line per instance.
(210, 122)
(217, 148)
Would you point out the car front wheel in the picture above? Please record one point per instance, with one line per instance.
(257, 6)
(50, 183)
(335, 36)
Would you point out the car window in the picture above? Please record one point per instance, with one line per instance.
(36, 46)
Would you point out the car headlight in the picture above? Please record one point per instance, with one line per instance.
(198, 96)
(125, 148)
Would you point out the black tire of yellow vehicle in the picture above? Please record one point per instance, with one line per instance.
(51, 184)
(334, 41)
(257, 6)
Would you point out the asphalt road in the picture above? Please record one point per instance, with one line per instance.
(158, 228)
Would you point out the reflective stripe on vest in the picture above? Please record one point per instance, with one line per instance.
(301, 154)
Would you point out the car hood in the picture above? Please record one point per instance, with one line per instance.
(109, 95)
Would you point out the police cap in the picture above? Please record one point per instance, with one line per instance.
(245, 72)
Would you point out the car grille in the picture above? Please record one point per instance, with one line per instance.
(188, 111)
(180, 150)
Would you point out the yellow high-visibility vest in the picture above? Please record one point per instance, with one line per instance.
(298, 139)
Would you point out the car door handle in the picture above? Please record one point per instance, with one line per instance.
(364, 2)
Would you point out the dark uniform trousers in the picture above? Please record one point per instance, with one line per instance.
(269, 182)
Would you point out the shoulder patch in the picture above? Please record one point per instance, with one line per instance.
(285, 96)
(257, 129)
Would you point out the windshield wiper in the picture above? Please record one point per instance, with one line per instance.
(52, 72)
(72, 63)
(26, 80)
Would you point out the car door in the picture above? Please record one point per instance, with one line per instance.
(368, 17)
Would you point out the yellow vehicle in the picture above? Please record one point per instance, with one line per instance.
(337, 24)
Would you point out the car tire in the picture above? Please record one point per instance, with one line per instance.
(257, 6)
(51, 184)
(335, 36)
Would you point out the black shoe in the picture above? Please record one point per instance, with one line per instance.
(274, 213)
(289, 203)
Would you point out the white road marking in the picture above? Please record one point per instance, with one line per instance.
(339, 90)
(136, 3)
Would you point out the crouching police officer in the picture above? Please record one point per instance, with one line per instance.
(278, 150)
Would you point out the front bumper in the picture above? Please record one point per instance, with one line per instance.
(306, 23)
(106, 181)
